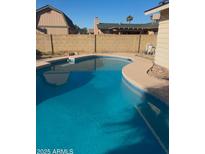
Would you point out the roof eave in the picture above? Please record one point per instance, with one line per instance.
(50, 7)
(156, 9)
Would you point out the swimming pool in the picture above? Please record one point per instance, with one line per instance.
(89, 107)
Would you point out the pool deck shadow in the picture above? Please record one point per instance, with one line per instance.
(160, 92)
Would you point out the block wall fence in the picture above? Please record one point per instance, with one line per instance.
(93, 43)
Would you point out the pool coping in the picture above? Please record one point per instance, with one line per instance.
(140, 86)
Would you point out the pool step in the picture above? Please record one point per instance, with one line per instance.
(157, 121)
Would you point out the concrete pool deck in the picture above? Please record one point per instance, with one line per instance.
(135, 73)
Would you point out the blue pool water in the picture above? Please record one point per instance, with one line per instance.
(89, 108)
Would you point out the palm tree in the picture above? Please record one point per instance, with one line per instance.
(129, 18)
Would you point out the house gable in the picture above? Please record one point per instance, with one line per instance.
(51, 18)
(53, 21)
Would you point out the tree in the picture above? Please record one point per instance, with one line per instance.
(77, 29)
(81, 30)
(130, 18)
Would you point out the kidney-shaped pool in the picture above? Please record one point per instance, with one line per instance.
(88, 108)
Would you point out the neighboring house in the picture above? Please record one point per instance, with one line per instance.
(50, 20)
(122, 28)
(162, 49)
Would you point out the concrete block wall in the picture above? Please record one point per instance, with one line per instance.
(73, 43)
(147, 39)
(117, 43)
(91, 43)
(43, 43)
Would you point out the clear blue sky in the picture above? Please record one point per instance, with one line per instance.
(82, 12)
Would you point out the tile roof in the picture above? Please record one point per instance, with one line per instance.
(121, 25)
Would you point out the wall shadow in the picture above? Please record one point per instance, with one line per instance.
(161, 92)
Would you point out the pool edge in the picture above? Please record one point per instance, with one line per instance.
(48, 62)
